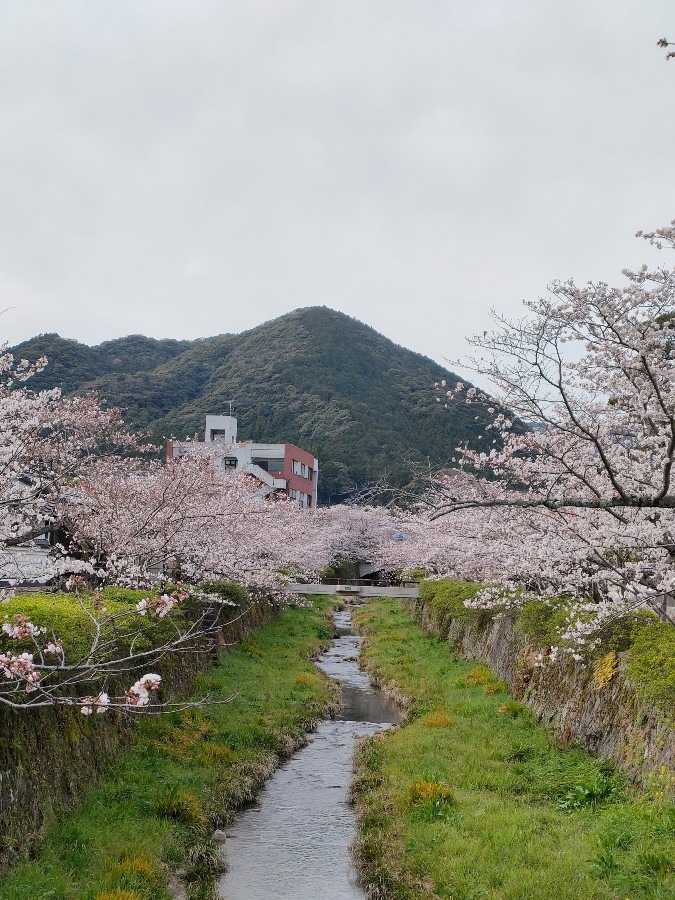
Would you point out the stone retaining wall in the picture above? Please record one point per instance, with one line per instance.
(605, 718)
(47, 756)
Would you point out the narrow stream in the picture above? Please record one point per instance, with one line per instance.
(293, 844)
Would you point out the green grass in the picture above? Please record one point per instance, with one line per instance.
(470, 798)
(650, 644)
(186, 774)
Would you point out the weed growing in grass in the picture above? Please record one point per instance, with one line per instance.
(135, 864)
(137, 871)
(210, 754)
(179, 735)
(521, 753)
(438, 720)
(513, 709)
(119, 895)
(589, 794)
(661, 784)
(605, 862)
(656, 863)
(480, 674)
(431, 800)
(253, 649)
(421, 791)
(305, 679)
(183, 806)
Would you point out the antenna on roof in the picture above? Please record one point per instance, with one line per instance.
(230, 403)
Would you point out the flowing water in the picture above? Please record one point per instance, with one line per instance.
(293, 844)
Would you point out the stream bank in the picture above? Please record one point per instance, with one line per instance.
(471, 797)
(187, 774)
(294, 842)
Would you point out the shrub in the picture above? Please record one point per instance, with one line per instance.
(539, 620)
(651, 665)
(226, 590)
(445, 598)
(129, 596)
(619, 634)
(412, 574)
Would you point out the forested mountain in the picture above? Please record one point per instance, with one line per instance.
(72, 364)
(363, 405)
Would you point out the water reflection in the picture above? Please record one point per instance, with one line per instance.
(294, 843)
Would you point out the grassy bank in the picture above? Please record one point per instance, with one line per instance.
(470, 798)
(186, 774)
(649, 645)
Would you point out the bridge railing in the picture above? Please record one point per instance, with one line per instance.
(370, 582)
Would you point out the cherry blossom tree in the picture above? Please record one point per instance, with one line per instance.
(582, 500)
(38, 670)
(45, 442)
(188, 519)
(126, 519)
(665, 43)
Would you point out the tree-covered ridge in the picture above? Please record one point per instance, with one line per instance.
(315, 377)
(72, 364)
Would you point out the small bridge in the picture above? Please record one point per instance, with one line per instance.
(356, 588)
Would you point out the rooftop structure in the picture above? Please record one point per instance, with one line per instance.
(282, 468)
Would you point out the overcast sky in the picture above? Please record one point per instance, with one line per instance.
(182, 168)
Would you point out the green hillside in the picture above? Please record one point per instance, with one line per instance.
(72, 364)
(363, 405)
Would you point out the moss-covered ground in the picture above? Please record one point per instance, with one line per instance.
(155, 810)
(471, 799)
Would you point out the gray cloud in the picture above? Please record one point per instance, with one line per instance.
(187, 167)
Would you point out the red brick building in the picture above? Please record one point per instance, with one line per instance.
(281, 468)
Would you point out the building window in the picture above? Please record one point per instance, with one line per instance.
(269, 465)
(229, 462)
(303, 500)
(302, 469)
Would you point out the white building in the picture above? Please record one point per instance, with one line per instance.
(278, 467)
